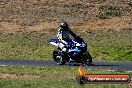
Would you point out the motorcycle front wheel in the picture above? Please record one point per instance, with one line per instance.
(58, 57)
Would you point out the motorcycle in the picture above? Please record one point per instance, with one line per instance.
(76, 51)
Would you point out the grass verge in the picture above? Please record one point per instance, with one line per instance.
(52, 77)
(107, 45)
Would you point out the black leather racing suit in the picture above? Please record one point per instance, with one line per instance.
(64, 36)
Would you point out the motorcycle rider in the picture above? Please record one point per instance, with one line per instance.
(64, 35)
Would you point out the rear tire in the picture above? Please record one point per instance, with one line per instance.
(87, 59)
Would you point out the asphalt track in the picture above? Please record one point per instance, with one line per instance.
(122, 66)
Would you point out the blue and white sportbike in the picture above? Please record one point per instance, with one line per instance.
(76, 52)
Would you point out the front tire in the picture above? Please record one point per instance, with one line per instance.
(60, 61)
(57, 56)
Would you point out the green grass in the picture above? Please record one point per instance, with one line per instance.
(103, 45)
(110, 45)
(52, 77)
(25, 46)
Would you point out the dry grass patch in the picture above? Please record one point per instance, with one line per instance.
(116, 23)
(42, 26)
(18, 76)
(9, 26)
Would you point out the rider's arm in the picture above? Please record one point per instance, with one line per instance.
(72, 33)
(59, 37)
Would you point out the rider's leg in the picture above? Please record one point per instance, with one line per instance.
(62, 46)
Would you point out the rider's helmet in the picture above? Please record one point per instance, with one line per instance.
(64, 25)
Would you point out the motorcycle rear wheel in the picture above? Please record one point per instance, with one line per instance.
(87, 59)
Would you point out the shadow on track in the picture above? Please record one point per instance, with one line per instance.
(102, 65)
